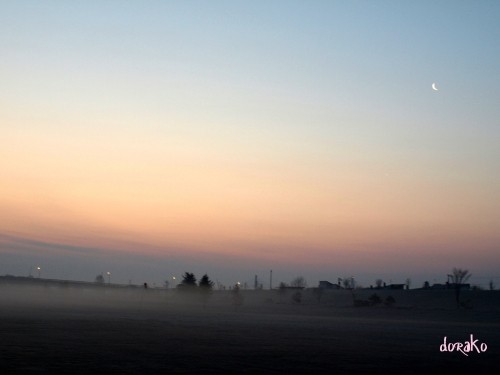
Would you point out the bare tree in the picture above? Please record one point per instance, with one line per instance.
(299, 282)
(378, 283)
(459, 277)
(348, 282)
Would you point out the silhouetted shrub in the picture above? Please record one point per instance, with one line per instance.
(297, 297)
(318, 292)
(466, 304)
(375, 299)
(389, 301)
(361, 303)
(237, 297)
(99, 279)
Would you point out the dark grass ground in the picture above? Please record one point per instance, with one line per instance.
(75, 332)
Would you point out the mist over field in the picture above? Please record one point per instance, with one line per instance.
(82, 328)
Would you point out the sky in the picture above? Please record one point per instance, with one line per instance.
(150, 138)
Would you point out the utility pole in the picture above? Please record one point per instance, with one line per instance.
(271, 280)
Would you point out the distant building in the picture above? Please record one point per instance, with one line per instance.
(454, 285)
(438, 286)
(395, 286)
(329, 285)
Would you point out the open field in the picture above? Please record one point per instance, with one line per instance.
(110, 330)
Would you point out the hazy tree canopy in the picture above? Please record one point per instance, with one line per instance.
(188, 280)
(299, 282)
(205, 287)
(282, 285)
(205, 283)
(99, 279)
(375, 299)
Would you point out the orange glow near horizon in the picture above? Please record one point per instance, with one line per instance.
(208, 205)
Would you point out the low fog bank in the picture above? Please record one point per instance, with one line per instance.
(52, 327)
(38, 294)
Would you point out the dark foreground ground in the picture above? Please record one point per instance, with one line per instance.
(138, 332)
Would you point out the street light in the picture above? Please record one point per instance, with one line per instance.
(173, 281)
(39, 271)
(109, 277)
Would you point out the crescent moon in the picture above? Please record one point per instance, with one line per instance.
(434, 87)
